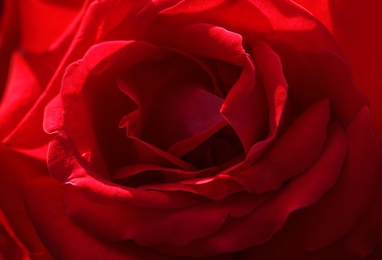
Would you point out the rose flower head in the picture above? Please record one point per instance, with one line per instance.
(203, 129)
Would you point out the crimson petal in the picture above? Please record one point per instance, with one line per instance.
(155, 226)
(260, 225)
(67, 166)
(244, 107)
(62, 237)
(209, 41)
(294, 153)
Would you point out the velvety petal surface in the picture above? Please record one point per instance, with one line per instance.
(293, 154)
(261, 224)
(355, 27)
(62, 237)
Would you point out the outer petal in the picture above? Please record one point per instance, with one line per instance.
(69, 167)
(356, 27)
(41, 23)
(148, 226)
(29, 133)
(62, 237)
(292, 154)
(333, 228)
(9, 38)
(21, 92)
(10, 246)
(260, 225)
(15, 171)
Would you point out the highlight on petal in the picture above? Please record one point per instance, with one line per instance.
(242, 17)
(269, 66)
(213, 42)
(269, 76)
(215, 188)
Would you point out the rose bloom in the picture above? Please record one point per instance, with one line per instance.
(171, 129)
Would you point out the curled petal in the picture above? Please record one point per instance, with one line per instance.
(294, 153)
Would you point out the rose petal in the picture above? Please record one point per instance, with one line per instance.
(334, 76)
(244, 107)
(83, 98)
(16, 170)
(353, 25)
(315, 75)
(10, 246)
(29, 132)
(63, 238)
(77, 76)
(53, 116)
(214, 188)
(261, 224)
(180, 148)
(21, 92)
(244, 17)
(170, 113)
(333, 221)
(358, 184)
(67, 166)
(276, 94)
(320, 10)
(151, 154)
(33, 14)
(270, 68)
(282, 111)
(209, 41)
(169, 174)
(151, 226)
(363, 238)
(9, 30)
(293, 154)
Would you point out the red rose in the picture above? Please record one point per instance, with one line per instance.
(219, 129)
